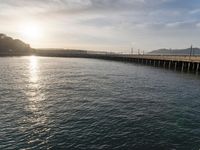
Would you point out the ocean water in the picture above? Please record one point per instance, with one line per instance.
(88, 104)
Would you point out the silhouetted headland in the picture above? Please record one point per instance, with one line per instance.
(13, 47)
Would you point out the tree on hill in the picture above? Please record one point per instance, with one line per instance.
(10, 45)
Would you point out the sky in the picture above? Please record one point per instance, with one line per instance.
(108, 25)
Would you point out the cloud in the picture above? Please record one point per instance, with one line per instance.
(75, 6)
(181, 24)
(195, 11)
(98, 22)
(198, 25)
(175, 24)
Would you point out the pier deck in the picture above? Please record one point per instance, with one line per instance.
(175, 62)
(168, 57)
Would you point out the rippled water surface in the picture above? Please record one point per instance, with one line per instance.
(71, 103)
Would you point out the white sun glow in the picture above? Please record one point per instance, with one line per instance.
(31, 31)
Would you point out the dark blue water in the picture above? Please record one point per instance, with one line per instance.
(70, 103)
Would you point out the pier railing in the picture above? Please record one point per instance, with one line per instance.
(184, 58)
(176, 62)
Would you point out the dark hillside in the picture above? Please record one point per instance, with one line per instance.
(10, 46)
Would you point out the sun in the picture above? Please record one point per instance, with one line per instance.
(31, 31)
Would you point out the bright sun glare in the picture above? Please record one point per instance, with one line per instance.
(33, 68)
(31, 31)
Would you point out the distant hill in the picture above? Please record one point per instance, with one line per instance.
(187, 51)
(10, 46)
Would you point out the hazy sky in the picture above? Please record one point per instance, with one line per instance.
(103, 24)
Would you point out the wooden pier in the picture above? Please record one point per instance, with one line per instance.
(180, 63)
(185, 63)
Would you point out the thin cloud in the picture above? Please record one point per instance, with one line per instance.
(97, 22)
(182, 24)
(195, 11)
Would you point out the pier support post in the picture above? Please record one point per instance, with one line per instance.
(193, 66)
(169, 64)
(175, 65)
(197, 69)
(182, 69)
(164, 64)
(188, 66)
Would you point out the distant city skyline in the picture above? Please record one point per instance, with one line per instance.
(113, 25)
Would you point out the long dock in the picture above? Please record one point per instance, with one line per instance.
(180, 63)
(175, 62)
(183, 63)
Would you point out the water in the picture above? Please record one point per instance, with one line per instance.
(71, 103)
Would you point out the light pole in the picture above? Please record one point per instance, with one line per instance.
(191, 49)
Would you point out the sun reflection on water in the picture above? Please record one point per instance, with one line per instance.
(33, 86)
(33, 69)
(36, 116)
(35, 95)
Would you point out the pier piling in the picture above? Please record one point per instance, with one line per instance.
(177, 63)
(197, 67)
